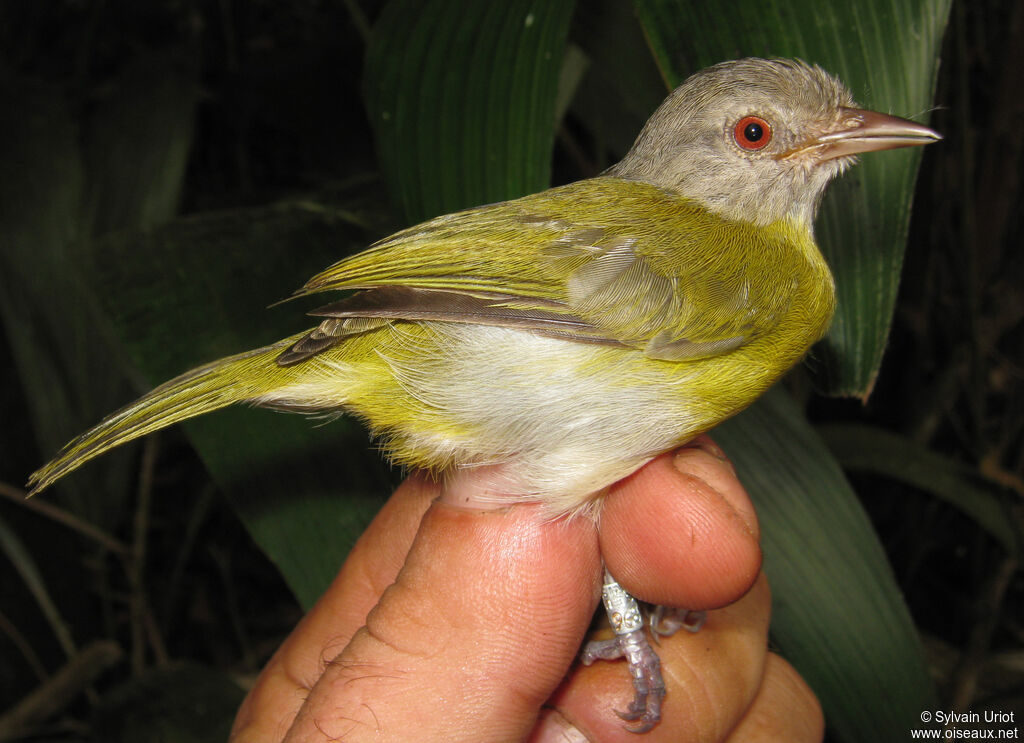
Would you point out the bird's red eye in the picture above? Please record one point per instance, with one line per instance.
(752, 133)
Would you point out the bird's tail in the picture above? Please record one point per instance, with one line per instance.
(216, 385)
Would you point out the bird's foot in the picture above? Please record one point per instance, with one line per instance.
(644, 667)
(665, 621)
(631, 643)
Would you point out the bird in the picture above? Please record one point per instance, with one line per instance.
(565, 338)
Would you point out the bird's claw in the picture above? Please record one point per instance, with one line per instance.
(645, 708)
(644, 668)
(665, 621)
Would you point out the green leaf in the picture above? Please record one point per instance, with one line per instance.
(137, 142)
(869, 449)
(837, 613)
(887, 53)
(58, 340)
(55, 193)
(461, 95)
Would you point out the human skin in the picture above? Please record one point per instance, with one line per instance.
(453, 620)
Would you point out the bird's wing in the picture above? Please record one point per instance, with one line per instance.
(602, 260)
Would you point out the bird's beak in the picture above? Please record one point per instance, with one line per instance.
(865, 131)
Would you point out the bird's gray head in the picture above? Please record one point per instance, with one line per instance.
(760, 139)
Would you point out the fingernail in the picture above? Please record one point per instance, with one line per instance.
(719, 474)
(553, 728)
(707, 444)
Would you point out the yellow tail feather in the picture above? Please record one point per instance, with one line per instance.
(204, 389)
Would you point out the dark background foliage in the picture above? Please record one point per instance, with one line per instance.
(179, 603)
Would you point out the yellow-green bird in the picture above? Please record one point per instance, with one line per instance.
(568, 337)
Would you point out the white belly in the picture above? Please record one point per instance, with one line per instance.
(561, 419)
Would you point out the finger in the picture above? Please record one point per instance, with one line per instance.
(472, 637)
(682, 530)
(711, 677)
(785, 709)
(372, 565)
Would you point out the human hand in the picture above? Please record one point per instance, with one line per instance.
(447, 623)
